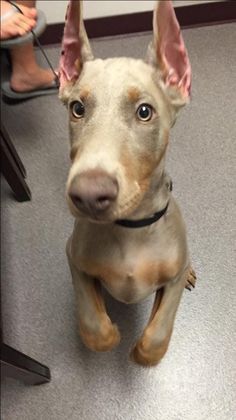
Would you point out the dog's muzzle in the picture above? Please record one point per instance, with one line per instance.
(93, 192)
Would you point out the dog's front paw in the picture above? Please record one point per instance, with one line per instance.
(190, 280)
(146, 353)
(105, 339)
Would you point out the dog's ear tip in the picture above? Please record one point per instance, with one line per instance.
(167, 51)
(75, 44)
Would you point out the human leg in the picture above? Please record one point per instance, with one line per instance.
(27, 75)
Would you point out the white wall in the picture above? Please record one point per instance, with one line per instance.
(55, 10)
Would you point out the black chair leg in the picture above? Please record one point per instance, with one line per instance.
(22, 367)
(12, 150)
(13, 170)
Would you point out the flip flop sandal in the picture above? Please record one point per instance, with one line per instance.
(20, 40)
(9, 93)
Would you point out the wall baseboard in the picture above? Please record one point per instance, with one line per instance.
(188, 16)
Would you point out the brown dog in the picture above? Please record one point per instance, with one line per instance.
(129, 235)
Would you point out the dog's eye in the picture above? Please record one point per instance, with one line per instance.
(144, 112)
(77, 109)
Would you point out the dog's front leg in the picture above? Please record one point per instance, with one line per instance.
(95, 327)
(154, 342)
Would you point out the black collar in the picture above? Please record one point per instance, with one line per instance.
(142, 222)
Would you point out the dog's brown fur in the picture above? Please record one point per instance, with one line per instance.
(120, 159)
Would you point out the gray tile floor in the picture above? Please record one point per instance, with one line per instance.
(196, 379)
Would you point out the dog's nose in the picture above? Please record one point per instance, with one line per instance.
(93, 191)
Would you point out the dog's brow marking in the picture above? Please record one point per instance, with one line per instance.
(133, 94)
(84, 93)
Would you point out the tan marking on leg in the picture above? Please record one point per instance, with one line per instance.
(96, 329)
(147, 355)
(105, 339)
(97, 296)
(154, 342)
(107, 336)
(156, 304)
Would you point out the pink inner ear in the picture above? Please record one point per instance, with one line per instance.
(70, 44)
(171, 49)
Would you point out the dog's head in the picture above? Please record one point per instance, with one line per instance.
(120, 112)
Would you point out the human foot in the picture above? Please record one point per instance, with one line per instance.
(14, 23)
(39, 78)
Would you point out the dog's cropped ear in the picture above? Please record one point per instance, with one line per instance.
(168, 53)
(75, 47)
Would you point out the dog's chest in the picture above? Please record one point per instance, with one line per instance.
(132, 274)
